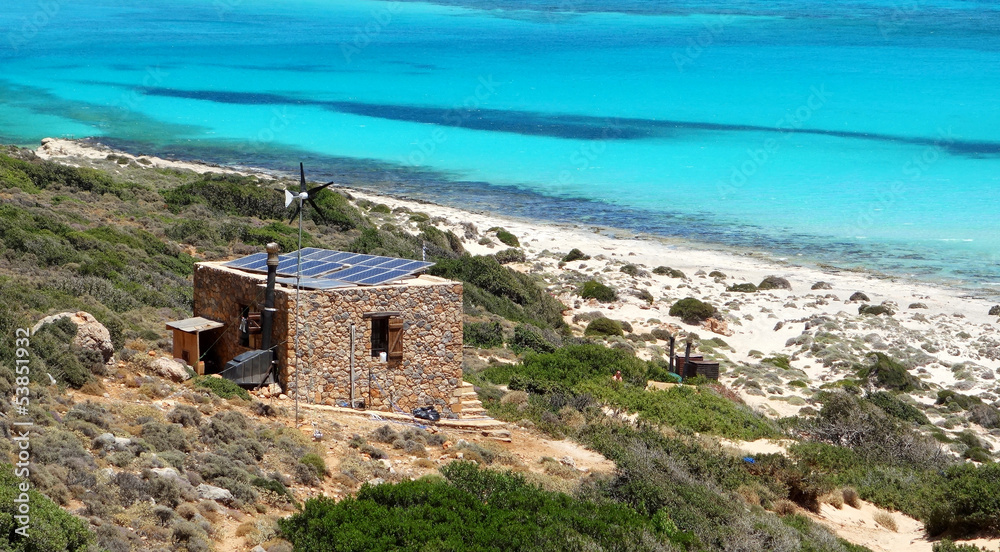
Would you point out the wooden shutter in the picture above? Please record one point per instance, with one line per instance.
(395, 338)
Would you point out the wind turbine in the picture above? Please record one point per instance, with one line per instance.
(303, 196)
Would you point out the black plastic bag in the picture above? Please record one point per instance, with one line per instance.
(426, 413)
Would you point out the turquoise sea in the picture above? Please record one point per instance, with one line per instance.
(862, 133)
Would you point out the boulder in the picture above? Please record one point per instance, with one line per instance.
(822, 285)
(717, 326)
(995, 311)
(774, 282)
(111, 443)
(211, 492)
(859, 296)
(168, 473)
(170, 369)
(90, 334)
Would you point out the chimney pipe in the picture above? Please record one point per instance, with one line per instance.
(267, 317)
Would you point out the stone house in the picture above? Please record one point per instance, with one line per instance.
(405, 330)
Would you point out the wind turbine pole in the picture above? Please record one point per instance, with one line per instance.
(302, 196)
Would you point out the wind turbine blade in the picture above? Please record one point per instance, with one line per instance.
(297, 209)
(302, 177)
(318, 188)
(316, 207)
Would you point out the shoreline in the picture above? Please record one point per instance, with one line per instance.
(985, 289)
(756, 261)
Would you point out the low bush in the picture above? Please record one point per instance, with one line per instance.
(507, 238)
(510, 256)
(163, 437)
(667, 271)
(603, 327)
(315, 462)
(742, 288)
(472, 510)
(575, 255)
(875, 310)
(692, 311)
(51, 529)
(487, 335)
(498, 289)
(222, 387)
(529, 338)
(889, 374)
(630, 269)
(897, 408)
(592, 289)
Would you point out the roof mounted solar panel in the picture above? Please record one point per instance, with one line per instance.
(383, 277)
(243, 262)
(330, 265)
(315, 283)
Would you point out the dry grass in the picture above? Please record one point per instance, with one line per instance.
(835, 499)
(784, 507)
(424, 463)
(515, 397)
(886, 520)
(749, 495)
(558, 469)
(851, 497)
(93, 388)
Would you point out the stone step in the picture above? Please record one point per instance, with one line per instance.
(476, 412)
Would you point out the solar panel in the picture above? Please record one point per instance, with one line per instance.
(319, 267)
(244, 261)
(308, 252)
(323, 266)
(315, 283)
(383, 277)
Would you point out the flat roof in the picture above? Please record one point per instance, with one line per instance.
(194, 325)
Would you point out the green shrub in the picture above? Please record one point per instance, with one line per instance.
(948, 397)
(510, 256)
(165, 437)
(472, 510)
(502, 291)
(507, 238)
(692, 311)
(575, 255)
(630, 269)
(875, 310)
(897, 408)
(51, 528)
(889, 374)
(222, 387)
(603, 327)
(527, 338)
(592, 289)
(315, 462)
(667, 271)
(488, 335)
(742, 288)
(949, 546)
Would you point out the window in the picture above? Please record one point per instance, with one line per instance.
(380, 336)
(386, 335)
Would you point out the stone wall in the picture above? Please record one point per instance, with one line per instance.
(430, 308)
(431, 365)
